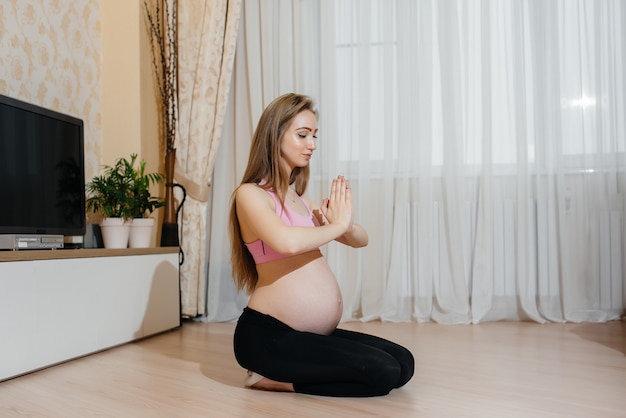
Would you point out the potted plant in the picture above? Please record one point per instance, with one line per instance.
(108, 195)
(142, 204)
(120, 194)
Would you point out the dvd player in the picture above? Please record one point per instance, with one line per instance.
(30, 242)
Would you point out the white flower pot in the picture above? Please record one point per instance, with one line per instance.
(141, 232)
(115, 232)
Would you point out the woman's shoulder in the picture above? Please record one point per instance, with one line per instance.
(251, 192)
(245, 187)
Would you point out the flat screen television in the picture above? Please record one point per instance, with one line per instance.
(42, 180)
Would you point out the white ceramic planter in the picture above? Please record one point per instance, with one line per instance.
(115, 232)
(141, 232)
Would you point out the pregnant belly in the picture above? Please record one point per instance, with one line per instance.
(306, 299)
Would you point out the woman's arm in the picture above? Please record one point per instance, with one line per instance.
(355, 237)
(258, 220)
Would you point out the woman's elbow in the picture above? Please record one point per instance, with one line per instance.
(361, 243)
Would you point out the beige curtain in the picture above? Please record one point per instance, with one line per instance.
(207, 37)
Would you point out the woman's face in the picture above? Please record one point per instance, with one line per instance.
(299, 140)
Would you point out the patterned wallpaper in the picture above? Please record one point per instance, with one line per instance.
(50, 56)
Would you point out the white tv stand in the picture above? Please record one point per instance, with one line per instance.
(56, 305)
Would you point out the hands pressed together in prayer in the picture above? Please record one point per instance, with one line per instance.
(338, 206)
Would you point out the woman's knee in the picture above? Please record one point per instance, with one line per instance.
(407, 363)
(385, 377)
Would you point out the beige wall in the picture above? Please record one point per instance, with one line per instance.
(50, 55)
(89, 59)
(121, 102)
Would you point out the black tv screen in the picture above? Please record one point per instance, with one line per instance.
(42, 180)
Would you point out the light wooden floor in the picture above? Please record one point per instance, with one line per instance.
(503, 369)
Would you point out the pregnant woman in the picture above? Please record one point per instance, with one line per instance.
(287, 337)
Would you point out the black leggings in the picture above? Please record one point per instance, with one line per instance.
(344, 363)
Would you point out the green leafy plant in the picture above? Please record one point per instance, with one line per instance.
(122, 190)
(143, 203)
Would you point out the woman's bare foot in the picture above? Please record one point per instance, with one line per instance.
(272, 385)
(256, 381)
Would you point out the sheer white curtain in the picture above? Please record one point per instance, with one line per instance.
(485, 142)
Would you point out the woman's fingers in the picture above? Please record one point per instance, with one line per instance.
(324, 206)
(333, 190)
(343, 188)
(343, 199)
(338, 206)
(339, 189)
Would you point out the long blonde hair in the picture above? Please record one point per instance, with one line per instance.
(264, 166)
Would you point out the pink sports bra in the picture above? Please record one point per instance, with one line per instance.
(263, 253)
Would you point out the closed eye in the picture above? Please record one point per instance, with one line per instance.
(305, 135)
